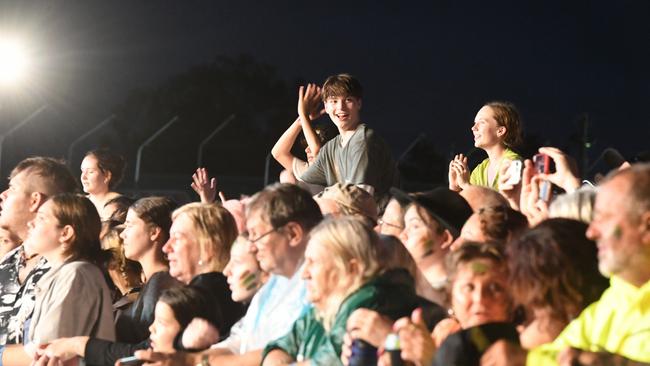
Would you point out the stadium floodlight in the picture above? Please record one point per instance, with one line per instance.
(13, 61)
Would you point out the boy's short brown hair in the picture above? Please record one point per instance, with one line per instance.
(341, 85)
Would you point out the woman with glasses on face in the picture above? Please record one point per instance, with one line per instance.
(391, 221)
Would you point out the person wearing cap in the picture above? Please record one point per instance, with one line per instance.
(348, 200)
(432, 222)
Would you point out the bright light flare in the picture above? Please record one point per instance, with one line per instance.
(13, 61)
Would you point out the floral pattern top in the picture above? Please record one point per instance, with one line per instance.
(17, 300)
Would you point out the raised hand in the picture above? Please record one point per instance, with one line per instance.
(458, 173)
(530, 205)
(511, 192)
(309, 99)
(565, 175)
(204, 186)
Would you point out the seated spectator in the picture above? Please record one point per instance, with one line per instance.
(357, 155)
(66, 233)
(348, 200)
(101, 172)
(482, 311)
(31, 182)
(433, 221)
(392, 219)
(175, 308)
(343, 274)
(125, 274)
(198, 237)
(243, 271)
(278, 220)
(554, 275)
(199, 249)
(496, 129)
(245, 277)
(492, 224)
(614, 329)
(371, 326)
(146, 230)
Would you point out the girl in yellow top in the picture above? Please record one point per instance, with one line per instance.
(496, 130)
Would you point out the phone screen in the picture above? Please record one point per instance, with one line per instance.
(542, 163)
(130, 361)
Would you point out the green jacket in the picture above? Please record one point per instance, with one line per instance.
(388, 294)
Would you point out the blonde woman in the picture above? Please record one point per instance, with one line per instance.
(199, 249)
(343, 274)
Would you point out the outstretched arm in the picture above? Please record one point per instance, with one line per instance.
(308, 110)
(282, 149)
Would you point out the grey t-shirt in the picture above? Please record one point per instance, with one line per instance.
(365, 159)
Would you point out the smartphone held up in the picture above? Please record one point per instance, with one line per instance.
(542, 164)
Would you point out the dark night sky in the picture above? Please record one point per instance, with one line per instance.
(427, 66)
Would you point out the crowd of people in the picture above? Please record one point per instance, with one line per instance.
(512, 263)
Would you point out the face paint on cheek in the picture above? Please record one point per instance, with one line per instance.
(428, 248)
(617, 233)
(249, 281)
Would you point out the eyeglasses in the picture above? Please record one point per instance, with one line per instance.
(381, 222)
(259, 237)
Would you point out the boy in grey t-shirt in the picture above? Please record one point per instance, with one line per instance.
(357, 155)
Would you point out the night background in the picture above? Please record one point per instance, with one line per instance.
(577, 70)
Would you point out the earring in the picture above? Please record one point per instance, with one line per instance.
(200, 262)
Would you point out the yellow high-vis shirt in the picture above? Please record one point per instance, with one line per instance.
(618, 323)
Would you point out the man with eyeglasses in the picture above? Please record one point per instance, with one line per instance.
(278, 221)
